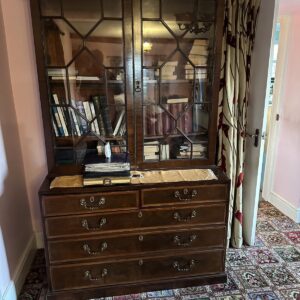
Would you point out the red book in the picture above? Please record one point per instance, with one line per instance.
(159, 121)
(188, 121)
(180, 122)
(167, 121)
(151, 120)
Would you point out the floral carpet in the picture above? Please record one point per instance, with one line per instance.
(268, 271)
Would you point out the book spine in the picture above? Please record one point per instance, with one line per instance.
(174, 111)
(119, 122)
(151, 128)
(188, 121)
(96, 101)
(55, 127)
(75, 122)
(95, 122)
(105, 115)
(180, 122)
(166, 121)
(58, 123)
(88, 114)
(61, 115)
(81, 121)
(159, 121)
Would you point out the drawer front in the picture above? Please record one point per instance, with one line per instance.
(92, 248)
(183, 195)
(89, 203)
(136, 270)
(135, 220)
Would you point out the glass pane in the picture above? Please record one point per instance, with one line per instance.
(50, 8)
(58, 84)
(158, 43)
(107, 39)
(112, 8)
(200, 118)
(82, 17)
(62, 42)
(150, 8)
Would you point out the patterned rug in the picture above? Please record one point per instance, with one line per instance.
(268, 271)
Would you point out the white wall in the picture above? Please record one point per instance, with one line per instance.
(25, 94)
(15, 221)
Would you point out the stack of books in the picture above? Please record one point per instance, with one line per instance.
(168, 71)
(151, 150)
(199, 57)
(100, 171)
(199, 151)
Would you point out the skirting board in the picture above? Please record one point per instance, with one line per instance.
(285, 207)
(18, 278)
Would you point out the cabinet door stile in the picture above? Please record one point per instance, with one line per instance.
(128, 44)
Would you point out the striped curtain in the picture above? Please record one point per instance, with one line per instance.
(238, 41)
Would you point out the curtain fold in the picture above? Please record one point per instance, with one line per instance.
(238, 41)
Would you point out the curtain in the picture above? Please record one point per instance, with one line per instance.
(238, 41)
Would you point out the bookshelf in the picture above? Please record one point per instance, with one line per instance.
(143, 76)
(102, 84)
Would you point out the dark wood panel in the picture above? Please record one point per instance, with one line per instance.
(132, 245)
(136, 270)
(182, 195)
(89, 203)
(135, 220)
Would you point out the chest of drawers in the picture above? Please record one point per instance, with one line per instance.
(106, 241)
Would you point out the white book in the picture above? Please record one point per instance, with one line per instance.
(61, 116)
(179, 100)
(75, 121)
(93, 116)
(119, 122)
(56, 116)
(54, 127)
(88, 113)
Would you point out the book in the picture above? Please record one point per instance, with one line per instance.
(177, 100)
(57, 121)
(88, 114)
(55, 128)
(94, 116)
(96, 101)
(74, 122)
(166, 121)
(61, 115)
(151, 120)
(82, 117)
(104, 111)
(119, 122)
(159, 121)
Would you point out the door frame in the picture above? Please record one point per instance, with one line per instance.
(279, 88)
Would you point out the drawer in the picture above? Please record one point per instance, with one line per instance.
(89, 203)
(183, 195)
(135, 220)
(136, 270)
(101, 247)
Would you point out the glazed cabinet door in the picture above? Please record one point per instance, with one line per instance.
(177, 54)
(88, 65)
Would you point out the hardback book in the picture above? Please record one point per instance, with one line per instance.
(118, 124)
(74, 121)
(104, 111)
(167, 122)
(56, 120)
(159, 121)
(55, 127)
(177, 100)
(94, 116)
(88, 114)
(82, 118)
(96, 101)
(61, 115)
(151, 120)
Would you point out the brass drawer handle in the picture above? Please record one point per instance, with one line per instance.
(186, 195)
(85, 224)
(88, 275)
(178, 242)
(185, 268)
(180, 218)
(92, 204)
(88, 250)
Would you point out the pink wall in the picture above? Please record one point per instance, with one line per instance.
(286, 179)
(15, 221)
(22, 67)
